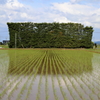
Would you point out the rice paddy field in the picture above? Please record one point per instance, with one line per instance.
(49, 74)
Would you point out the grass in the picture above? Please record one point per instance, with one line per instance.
(4, 46)
(95, 50)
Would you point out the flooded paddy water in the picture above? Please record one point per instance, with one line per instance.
(49, 75)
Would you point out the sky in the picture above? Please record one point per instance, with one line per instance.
(86, 12)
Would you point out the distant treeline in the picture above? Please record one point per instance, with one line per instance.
(49, 35)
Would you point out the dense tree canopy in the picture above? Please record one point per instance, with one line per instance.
(49, 35)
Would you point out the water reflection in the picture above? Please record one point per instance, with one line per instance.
(82, 76)
(96, 60)
(28, 64)
(4, 62)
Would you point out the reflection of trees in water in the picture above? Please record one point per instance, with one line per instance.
(20, 66)
(4, 62)
(96, 60)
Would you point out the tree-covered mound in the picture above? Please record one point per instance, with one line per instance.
(49, 35)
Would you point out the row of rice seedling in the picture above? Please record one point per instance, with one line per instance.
(46, 78)
(23, 87)
(14, 72)
(22, 71)
(70, 71)
(55, 64)
(52, 78)
(38, 64)
(80, 84)
(3, 65)
(34, 64)
(21, 59)
(94, 86)
(11, 83)
(40, 81)
(30, 75)
(88, 80)
(64, 72)
(14, 69)
(83, 82)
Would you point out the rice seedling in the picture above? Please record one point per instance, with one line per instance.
(74, 74)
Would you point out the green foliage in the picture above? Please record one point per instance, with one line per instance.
(49, 35)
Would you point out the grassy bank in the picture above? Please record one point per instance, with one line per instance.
(4, 46)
